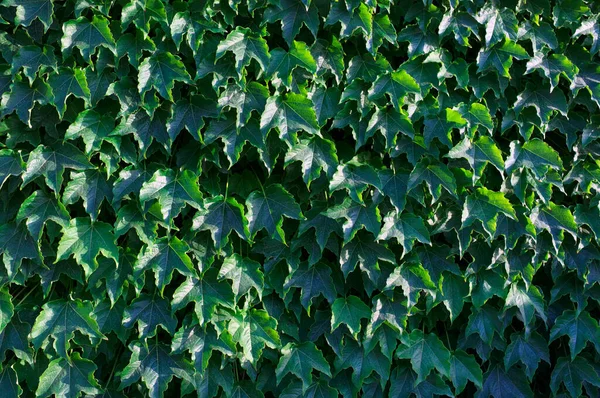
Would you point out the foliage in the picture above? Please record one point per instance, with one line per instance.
(299, 198)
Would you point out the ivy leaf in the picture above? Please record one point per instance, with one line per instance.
(316, 154)
(190, 113)
(390, 121)
(22, 98)
(164, 256)
(403, 383)
(149, 312)
(68, 378)
(134, 47)
(543, 100)
(349, 311)
(266, 209)
(501, 384)
(254, 329)
(253, 97)
(441, 126)
(87, 36)
(206, 292)
(172, 189)
(535, 155)
(244, 274)
(160, 71)
(220, 216)
(15, 245)
(9, 383)
(556, 220)
(145, 129)
(529, 350)
(245, 45)
(357, 216)
(289, 113)
(155, 365)
(10, 164)
(60, 319)
(67, 82)
(426, 352)
(500, 24)
(92, 127)
(363, 363)
(92, 187)
(85, 240)
(355, 178)
(366, 253)
(478, 153)
(283, 62)
(435, 175)
(28, 10)
(572, 374)
(313, 281)
(553, 66)
(51, 162)
(406, 228)
(528, 302)
(142, 12)
(394, 186)
(499, 58)
(293, 14)
(38, 208)
(581, 329)
(464, 367)
(396, 85)
(301, 360)
(484, 206)
(33, 59)
(329, 56)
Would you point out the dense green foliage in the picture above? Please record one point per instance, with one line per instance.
(299, 198)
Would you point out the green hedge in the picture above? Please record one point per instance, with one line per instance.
(299, 198)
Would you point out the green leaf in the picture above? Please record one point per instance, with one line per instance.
(349, 311)
(68, 378)
(435, 175)
(478, 153)
(365, 252)
(253, 329)
(207, 293)
(500, 24)
(85, 240)
(581, 328)
(149, 312)
(301, 360)
(283, 63)
(528, 350)
(134, 47)
(357, 216)
(312, 281)
(92, 127)
(245, 46)
(552, 66)
(316, 155)
(484, 206)
(164, 256)
(543, 99)
(396, 84)
(464, 367)
(28, 10)
(87, 36)
(38, 208)
(406, 229)
(22, 98)
(67, 82)
(160, 71)
(363, 363)
(252, 97)
(142, 13)
(441, 126)
(293, 14)
(572, 374)
(426, 352)
(528, 302)
(92, 187)
(155, 365)
(10, 164)
(501, 384)
(60, 319)
(535, 155)
(33, 59)
(555, 219)
(244, 275)
(220, 216)
(499, 58)
(145, 129)
(355, 178)
(389, 122)
(172, 190)
(289, 113)
(266, 209)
